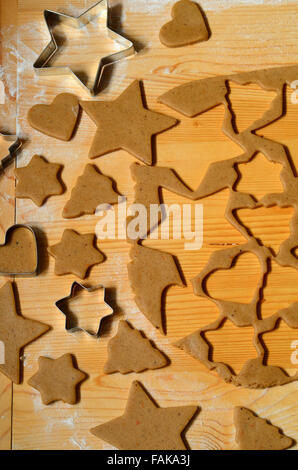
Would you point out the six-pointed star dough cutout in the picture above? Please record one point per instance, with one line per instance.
(38, 180)
(145, 426)
(15, 332)
(75, 253)
(57, 379)
(125, 124)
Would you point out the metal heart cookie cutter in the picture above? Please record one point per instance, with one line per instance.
(52, 18)
(26, 273)
(12, 149)
(71, 321)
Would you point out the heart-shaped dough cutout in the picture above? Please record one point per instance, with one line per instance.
(187, 26)
(57, 119)
(18, 254)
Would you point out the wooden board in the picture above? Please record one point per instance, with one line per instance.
(8, 77)
(243, 38)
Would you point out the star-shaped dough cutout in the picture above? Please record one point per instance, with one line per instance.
(15, 332)
(145, 426)
(75, 254)
(38, 180)
(57, 379)
(125, 124)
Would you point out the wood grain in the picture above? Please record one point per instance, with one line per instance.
(8, 77)
(239, 42)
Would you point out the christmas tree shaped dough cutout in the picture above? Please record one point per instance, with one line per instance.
(254, 433)
(129, 351)
(91, 190)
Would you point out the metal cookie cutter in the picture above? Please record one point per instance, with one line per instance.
(52, 18)
(71, 322)
(7, 234)
(13, 149)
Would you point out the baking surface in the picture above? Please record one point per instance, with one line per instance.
(246, 35)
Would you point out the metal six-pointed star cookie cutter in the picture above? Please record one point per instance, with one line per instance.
(52, 18)
(71, 323)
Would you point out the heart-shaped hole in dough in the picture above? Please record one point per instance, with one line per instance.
(237, 284)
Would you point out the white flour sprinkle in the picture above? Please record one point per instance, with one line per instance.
(216, 5)
(147, 7)
(153, 7)
(37, 403)
(81, 444)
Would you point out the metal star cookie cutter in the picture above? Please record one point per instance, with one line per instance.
(7, 234)
(53, 18)
(70, 321)
(16, 144)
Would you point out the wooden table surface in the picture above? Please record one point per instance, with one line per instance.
(245, 36)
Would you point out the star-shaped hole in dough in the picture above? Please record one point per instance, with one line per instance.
(57, 379)
(125, 124)
(145, 426)
(38, 180)
(15, 332)
(75, 254)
